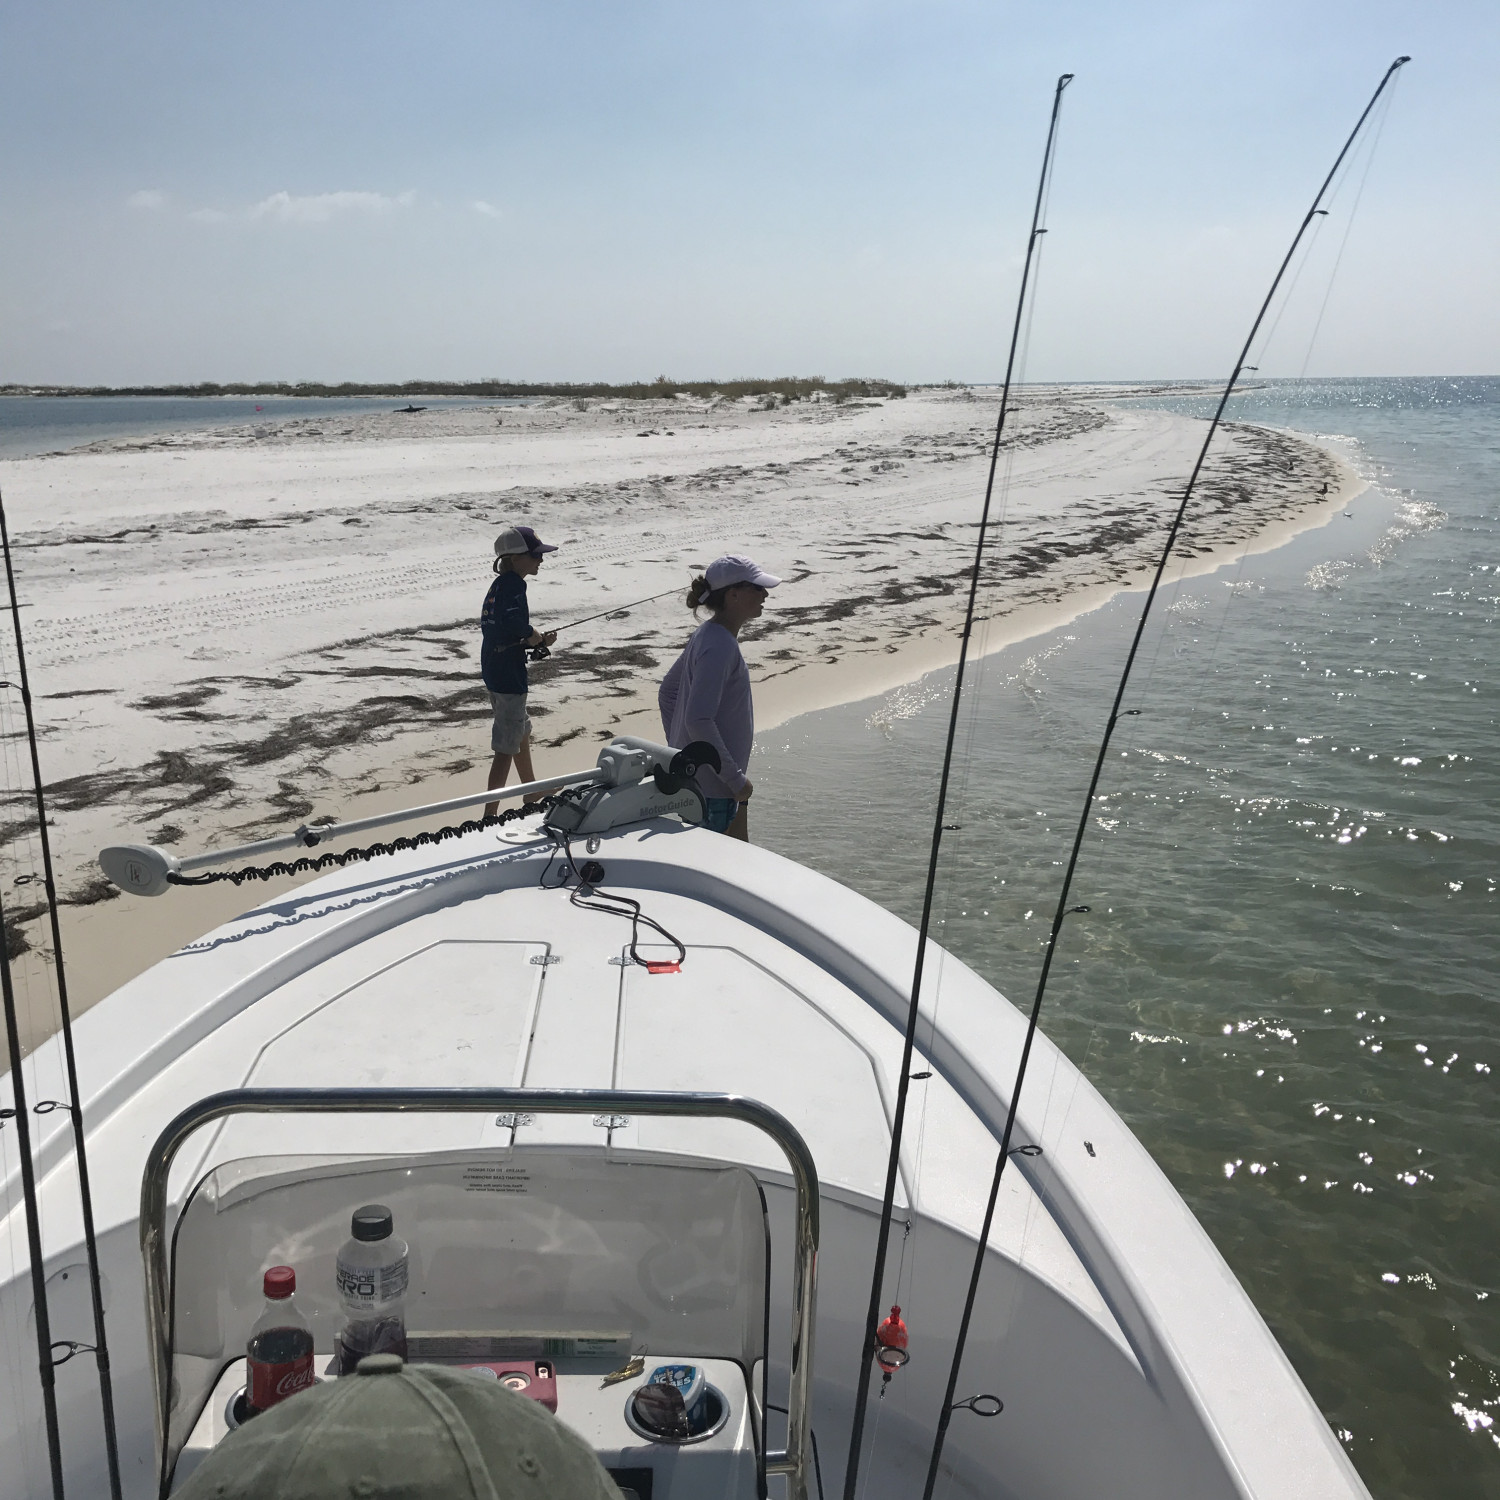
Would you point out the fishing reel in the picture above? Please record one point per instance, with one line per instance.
(540, 652)
(684, 766)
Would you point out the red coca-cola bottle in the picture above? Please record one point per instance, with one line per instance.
(279, 1355)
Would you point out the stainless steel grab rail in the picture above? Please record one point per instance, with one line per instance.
(792, 1461)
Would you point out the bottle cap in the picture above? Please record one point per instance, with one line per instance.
(372, 1222)
(279, 1282)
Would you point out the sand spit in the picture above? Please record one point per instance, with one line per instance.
(233, 632)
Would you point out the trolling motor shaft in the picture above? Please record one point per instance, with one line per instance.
(634, 779)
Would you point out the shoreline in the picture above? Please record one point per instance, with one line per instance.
(836, 638)
(136, 936)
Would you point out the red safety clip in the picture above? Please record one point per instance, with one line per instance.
(890, 1346)
(661, 966)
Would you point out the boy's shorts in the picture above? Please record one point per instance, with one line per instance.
(512, 723)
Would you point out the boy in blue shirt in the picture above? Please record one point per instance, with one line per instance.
(506, 626)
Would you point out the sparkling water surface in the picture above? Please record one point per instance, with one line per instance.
(1287, 983)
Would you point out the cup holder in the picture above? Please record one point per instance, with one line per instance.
(237, 1413)
(676, 1405)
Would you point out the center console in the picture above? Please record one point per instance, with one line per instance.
(666, 1428)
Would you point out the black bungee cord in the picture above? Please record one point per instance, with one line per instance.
(877, 1281)
(337, 858)
(1063, 909)
(47, 1350)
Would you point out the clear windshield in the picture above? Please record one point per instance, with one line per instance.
(550, 1243)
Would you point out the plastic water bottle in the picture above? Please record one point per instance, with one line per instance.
(372, 1276)
(279, 1354)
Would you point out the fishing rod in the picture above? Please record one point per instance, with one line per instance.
(21, 1112)
(541, 653)
(1115, 714)
(74, 1107)
(869, 1346)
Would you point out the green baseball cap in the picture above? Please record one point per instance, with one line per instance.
(394, 1431)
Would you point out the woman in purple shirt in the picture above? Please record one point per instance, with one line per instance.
(706, 695)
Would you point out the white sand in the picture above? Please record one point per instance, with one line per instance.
(232, 632)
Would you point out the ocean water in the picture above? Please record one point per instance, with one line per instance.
(1289, 981)
(53, 424)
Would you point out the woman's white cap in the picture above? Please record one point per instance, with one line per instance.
(725, 572)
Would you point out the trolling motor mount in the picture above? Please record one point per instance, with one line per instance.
(634, 786)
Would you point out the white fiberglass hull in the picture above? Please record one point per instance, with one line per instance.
(1129, 1359)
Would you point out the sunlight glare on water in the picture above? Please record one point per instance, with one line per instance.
(1287, 981)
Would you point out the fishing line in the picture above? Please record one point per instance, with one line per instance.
(958, 889)
(15, 1332)
(1291, 290)
(74, 1104)
(1369, 152)
(1063, 910)
(21, 1119)
(882, 1243)
(1379, 130)
(18, 872)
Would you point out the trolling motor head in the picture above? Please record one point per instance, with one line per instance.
(683, 769)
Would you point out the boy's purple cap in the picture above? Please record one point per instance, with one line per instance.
(725, 572)
(516, 539)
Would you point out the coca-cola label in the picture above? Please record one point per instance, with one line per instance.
(373, 1283)
(272, 1383)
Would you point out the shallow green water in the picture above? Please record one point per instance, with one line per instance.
(1287, 984)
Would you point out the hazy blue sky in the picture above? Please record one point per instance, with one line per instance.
(621, 188)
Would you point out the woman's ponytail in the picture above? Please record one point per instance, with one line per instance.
(700, 596)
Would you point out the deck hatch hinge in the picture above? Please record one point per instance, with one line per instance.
(546, 960)
(611, 1122)
(514, 1121)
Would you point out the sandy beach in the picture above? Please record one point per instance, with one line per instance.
(230, 633)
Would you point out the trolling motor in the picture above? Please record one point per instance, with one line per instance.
(633, 780)
(631, 797)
